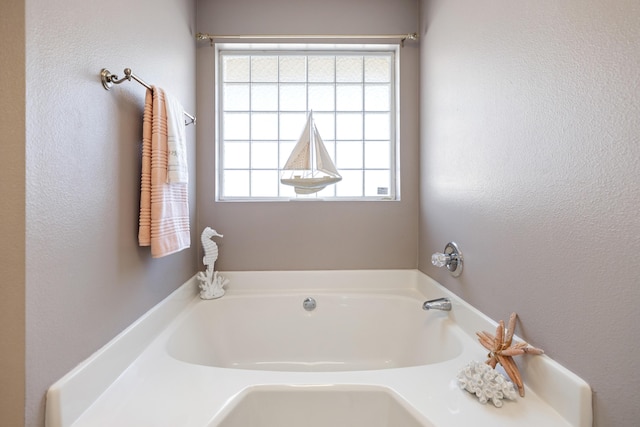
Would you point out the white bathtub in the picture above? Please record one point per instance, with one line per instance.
(195, 363)
(345, 332)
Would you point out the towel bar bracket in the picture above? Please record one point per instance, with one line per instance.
(107, 78)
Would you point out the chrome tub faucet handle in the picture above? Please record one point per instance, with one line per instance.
(450, 258)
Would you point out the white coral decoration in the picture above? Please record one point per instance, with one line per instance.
(486, 383)
(211, 287)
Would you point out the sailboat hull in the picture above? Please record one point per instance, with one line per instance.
(310, 185)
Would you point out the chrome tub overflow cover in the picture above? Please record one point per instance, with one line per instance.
(309, 304)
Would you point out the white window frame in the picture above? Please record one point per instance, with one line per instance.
(311, 49)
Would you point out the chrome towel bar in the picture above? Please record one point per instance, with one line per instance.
(108, 80)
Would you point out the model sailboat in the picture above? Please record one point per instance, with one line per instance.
(309, 168)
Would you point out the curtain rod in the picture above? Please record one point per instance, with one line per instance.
(402, 37)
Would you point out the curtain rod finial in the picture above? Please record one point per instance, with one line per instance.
(204, 36)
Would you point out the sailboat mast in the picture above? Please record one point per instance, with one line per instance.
(312, 143)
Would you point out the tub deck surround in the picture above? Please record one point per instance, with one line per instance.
(136, 381)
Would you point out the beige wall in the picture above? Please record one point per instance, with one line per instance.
(12, 226)
(530, 160)
(87, 279)
(311, 235)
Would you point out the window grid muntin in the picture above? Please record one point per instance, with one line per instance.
(391, 84)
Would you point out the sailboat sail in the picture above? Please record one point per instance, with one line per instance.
(309, 168)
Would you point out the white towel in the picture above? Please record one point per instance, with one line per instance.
(177, 171)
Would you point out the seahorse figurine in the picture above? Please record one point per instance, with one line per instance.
(210, 247)
(211, 284)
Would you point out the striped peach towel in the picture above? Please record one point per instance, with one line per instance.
(164, 207)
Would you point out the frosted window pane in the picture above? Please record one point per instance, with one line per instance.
(349, 68)
(348, 126)
(264, 155)
(321, 69)
(349, 155)
(236, 97)
(376, 126)
(349, 98)
(377, 154)
(377, 98)
(293, 97)
(236, 155)
(293, 69)
(377, 69)
(264, 126)
(292, 125)
(326, 125)
(236, 126)
(328, 191)
(236, 183)
(287, 191)
(236, 68)
(321, 97)
(264, 68)
(264, 97)
(264, 183)
(376, 183)
(351, 184)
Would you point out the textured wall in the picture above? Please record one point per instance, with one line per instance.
(87, 279)
(12, 259)
(530, 160)
(311, 235)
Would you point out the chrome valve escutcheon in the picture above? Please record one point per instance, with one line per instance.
(451, 258)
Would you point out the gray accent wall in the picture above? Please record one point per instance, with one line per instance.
(86, 277)
(530, 161)
(308, 235)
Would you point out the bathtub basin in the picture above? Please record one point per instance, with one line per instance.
(319, 406)
(345, 332)
(194, 363)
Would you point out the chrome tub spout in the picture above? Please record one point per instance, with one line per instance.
(437, 304)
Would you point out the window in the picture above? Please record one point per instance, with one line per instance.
(264, 98)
